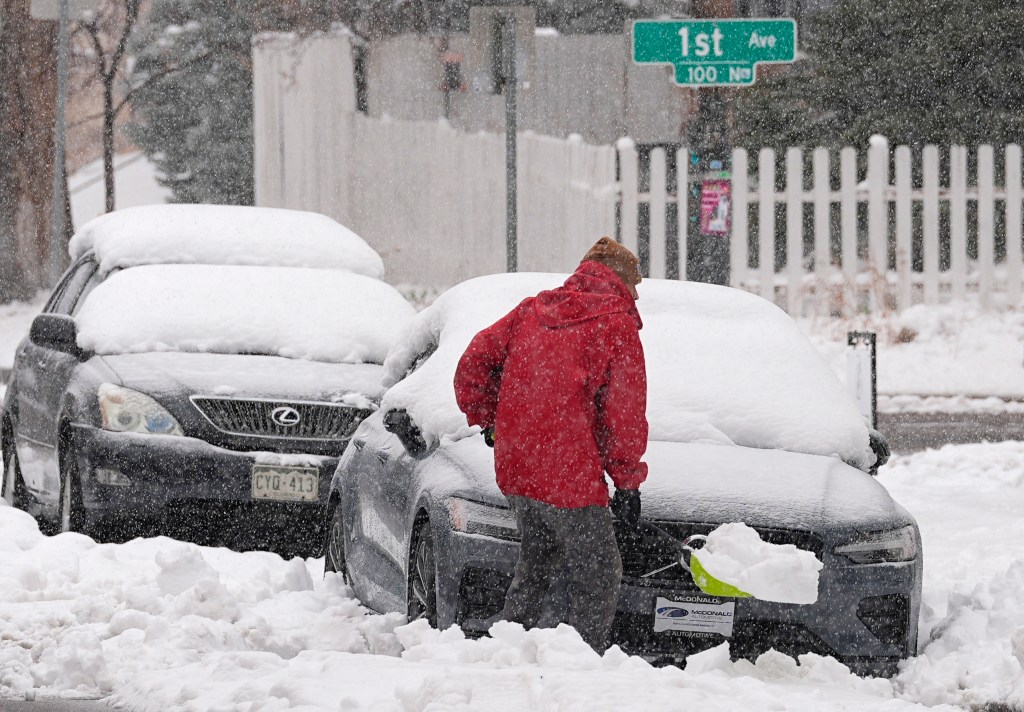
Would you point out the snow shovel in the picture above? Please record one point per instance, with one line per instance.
(704, 581)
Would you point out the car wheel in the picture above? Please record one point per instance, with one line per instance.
(334, 548)
(72, 515)
(423, 577)
(13, 490)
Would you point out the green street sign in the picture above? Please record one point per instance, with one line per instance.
(714, 53)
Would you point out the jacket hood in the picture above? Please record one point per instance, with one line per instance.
(592, 291)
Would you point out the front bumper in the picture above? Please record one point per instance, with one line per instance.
(168, 470)
(865, 616)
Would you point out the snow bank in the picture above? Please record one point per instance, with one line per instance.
(81, 619)
(162, 626)
(512, 671)
(967, 500)
(322, 315)
(723, 366)
(735, 554)
(955, 349)
(223, 235)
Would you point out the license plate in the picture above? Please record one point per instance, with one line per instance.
(290, 484)
(694, 614)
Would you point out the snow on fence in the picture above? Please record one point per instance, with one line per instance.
(914, 229)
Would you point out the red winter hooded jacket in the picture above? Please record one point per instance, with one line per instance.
(563, 382)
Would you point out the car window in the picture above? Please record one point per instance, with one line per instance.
(95, 279)
(67, 296)
(421, 358)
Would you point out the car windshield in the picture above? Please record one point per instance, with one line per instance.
(724, 367)
(316, 314)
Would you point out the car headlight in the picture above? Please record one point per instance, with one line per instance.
(475, 518)
(881, 547)
(128, 411)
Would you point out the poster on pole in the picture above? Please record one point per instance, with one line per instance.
(715, 201)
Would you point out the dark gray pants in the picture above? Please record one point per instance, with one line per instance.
(578, 544)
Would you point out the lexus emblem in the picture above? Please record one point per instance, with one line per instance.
(285, 416)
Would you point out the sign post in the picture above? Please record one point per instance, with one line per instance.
(502, 42)
(708, 54)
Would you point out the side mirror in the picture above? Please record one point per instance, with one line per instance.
(401, 424)
(879, 446)
(55, 331)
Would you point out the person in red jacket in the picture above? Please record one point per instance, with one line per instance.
(559, 387)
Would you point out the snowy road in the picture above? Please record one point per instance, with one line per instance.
(156, 624)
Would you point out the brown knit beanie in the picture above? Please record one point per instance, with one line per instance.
(612, 254)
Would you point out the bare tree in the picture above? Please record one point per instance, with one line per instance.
(108, 34)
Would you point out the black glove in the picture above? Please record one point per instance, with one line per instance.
(489, 436)
(626, 507)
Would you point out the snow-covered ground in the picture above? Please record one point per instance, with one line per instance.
(136, 182)
(958, 354)
(162, 625)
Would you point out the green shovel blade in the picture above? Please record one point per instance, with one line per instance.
(709, 584)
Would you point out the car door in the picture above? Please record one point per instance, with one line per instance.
(379, 482)
(43, 375)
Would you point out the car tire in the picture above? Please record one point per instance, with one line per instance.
(334, 545)
(422, 595)
(13, 491)
(71, 515)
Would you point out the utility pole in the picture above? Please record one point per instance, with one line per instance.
(710, 158)
(508, 44)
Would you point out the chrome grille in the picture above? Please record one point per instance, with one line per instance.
(252, 418)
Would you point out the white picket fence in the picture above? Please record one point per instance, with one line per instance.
(854, 247)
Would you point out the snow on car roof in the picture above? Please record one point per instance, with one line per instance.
(316, 314)
(223, 235)
(724, 366)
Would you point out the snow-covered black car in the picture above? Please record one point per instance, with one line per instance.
(748, 424)
(195, 356)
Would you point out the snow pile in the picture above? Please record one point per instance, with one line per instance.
(723, 366)
(322, 315)
(955, 349)
(80, 619)
(976, 655)
(511, 671)
(967, 500)
(735, 554)
(224, 235)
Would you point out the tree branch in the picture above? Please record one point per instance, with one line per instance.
(93, 31)
(131, 16)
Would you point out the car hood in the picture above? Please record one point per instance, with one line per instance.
(176, 373)
(717, 484)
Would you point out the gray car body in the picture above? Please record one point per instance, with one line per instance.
(51, 411)
(385, 494)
